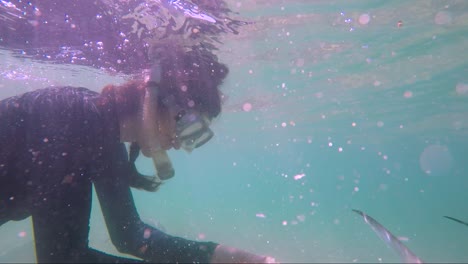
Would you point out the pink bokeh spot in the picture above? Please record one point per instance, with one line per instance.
(260, 215)
(247, 107)
(299, 176)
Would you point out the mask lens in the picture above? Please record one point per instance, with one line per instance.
(193, 131)
(205, 137)
(197, 140)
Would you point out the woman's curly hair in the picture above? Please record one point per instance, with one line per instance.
(192, 75)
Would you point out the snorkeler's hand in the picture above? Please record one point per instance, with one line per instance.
(225, 254)
(144, 182)
(138, 180)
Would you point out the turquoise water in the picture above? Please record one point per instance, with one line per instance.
(365, 102)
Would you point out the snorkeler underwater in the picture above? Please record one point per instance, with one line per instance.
(232, 131)
(76, 136)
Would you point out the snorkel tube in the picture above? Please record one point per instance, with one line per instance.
(150, 127)
(153, 149)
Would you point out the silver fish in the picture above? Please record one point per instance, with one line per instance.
(405, 254)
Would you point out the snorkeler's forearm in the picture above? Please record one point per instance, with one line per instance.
(128, 233)
(96, 256)
(165, 248)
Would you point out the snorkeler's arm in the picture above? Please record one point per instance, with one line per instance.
(60, 216)
(128, 233)
(61, 227)
(61, 223)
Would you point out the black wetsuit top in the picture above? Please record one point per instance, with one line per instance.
(54, 144)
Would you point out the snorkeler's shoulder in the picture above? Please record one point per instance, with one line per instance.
(54, 98)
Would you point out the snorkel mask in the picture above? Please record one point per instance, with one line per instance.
(192, 129)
